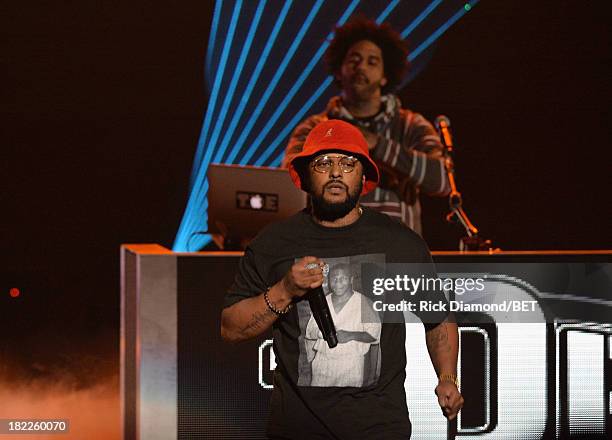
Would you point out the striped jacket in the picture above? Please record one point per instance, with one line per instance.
(408, 153)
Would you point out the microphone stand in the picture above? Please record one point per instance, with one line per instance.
(471, 242)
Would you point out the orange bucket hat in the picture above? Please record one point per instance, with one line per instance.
(339, 136)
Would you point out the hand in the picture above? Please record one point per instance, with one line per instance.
(299, 279)
(449, 399)
(344, 336)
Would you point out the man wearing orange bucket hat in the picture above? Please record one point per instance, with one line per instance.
(289, 259)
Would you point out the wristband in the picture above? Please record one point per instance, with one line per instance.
(450, 378)
(271, 306)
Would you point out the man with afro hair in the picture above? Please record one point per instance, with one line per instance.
(368, 61)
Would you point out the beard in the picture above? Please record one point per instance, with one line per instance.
(328, 211)
(362, 90)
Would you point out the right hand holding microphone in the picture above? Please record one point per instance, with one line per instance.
(304, 275)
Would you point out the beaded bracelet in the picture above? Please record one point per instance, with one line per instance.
(274, 309)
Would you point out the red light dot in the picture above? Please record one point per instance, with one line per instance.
(14, 292)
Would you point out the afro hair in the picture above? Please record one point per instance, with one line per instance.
(394, 49)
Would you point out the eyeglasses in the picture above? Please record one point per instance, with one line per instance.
(323, 164)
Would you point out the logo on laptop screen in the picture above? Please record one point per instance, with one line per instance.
(257, 201)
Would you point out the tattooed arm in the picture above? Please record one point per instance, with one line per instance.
(443, 346)
(251, 317)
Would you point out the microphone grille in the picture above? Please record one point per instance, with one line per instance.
(442, 121)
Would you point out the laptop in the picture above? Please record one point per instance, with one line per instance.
(244, 199)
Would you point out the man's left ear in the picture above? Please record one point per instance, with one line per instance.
(383, 81)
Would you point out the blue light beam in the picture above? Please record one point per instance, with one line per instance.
(217, 85)
(229, 133)
(278, 74)
(234, 82)
(384, 14)
(434, 36)
(422, 16)
(287, 99)
(213, 35)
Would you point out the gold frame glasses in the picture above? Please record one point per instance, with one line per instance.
(324, 163)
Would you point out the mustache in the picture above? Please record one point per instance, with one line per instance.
(335, 182)
(359, 75)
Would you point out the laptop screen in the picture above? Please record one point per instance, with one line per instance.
(244, 199)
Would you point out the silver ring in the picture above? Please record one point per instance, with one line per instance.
(312, 266)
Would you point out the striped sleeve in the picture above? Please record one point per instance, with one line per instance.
(419, 157)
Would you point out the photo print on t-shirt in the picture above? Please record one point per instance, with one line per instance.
(355, 361)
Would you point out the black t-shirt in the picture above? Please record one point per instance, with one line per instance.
(365, 399)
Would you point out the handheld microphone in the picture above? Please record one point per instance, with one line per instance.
(322, 316)
(443, 124)
(320, 310)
